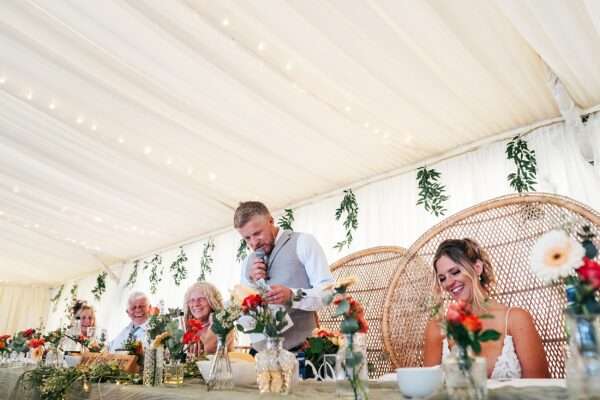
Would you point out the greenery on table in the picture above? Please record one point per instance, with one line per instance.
(178, 268)
(100, 287)
(286, 220)
(349, 206)
(55, 383)
(156, 272)
(242, 251)
(133, 275)
(207, 259)
(525, 178)
(54, 300)
(432, 194)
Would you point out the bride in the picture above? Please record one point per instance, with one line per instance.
(463, 270)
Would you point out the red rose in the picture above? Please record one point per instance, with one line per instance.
(28, 333)
(472, 323)
(589, 272)
(4, 337)
(252, 301)
(195, 325)
(190, 337)
(35, 343)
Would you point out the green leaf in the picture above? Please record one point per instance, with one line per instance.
(488, 335)
(342, 308)
(349, 325)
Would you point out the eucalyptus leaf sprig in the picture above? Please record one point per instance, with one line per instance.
(348, 206)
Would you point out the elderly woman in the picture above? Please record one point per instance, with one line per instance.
(200, 301)
(87, 321)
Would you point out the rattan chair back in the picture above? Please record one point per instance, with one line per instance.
(374, 269)
(507, 227)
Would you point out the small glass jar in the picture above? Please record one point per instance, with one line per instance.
(583, 365)
(352, 375)
(275, 368)
(174, 372)
(466, 375)
(153, 366)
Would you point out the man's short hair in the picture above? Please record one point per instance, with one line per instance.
(137, 295)
(247, 210)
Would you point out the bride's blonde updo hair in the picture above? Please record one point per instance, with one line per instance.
(466, 252)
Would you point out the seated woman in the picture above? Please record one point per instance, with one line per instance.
(87, 321)
(200, 301)
(463, 270)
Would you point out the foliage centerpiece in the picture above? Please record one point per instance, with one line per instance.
(351, 358)
(349, 206)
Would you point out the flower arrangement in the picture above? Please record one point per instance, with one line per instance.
(258, 317)
(4, 342)
(465, 329)
(18, 343)
(321, 342)
(53, 338)
(353, 360)
(223, 320)
(134, 347)
(557, 256)
(192, 335)
(164, 329)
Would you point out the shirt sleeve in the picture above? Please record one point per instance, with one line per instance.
(313, 258)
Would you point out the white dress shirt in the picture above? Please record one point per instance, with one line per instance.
(139, 333)
(312, 256)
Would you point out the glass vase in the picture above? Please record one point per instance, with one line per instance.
(466, 375)
(351, 372)
(583, 364)
(153, 366)
(220, 376)
(275, 368)
(174, 371)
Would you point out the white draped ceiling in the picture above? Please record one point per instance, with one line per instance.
(127, 126)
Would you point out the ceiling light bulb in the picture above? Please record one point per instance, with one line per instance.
(288, 66)
(29, 94)
(261, 46)
(16, 189)
(94, 127)
(376, 131)
(386, 135)
(366, 124)
(1, 212)
(212, 176)
(408, 139)
(120, 139)
(169, 161)
(190, 171)
(97, 219)
(225, 22)
(52, 105)
(347, 108)
(36, 226)
(147, 150)
(2, 79)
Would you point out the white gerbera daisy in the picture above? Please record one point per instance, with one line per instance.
(555, 255)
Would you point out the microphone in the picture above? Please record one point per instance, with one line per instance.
(262, 256)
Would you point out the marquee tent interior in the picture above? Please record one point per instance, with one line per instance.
(131, 128)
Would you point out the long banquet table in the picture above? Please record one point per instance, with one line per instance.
(524, 389)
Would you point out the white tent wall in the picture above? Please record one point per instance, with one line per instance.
(387, 216)
(22, 307)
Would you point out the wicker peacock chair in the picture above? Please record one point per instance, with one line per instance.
(507, 227)
(374, 269)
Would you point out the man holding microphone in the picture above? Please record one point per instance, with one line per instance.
(292, 264)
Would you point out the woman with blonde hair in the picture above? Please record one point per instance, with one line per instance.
(87, 321)
(463, 271)
(201, 300)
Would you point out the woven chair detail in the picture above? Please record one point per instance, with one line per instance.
(507, 228)
(374, 269)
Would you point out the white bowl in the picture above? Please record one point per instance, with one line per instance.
(419, 382)
(244, 372)
(72, 361)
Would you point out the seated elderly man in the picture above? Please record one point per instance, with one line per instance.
(138, 308)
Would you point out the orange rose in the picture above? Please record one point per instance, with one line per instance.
(472, 323)
(154, 311)
(2, 345)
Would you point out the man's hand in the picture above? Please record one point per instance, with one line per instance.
(279, 294)
(258, 270)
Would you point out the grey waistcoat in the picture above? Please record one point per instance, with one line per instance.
(285, 268)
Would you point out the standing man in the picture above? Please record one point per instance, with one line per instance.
(138, 310)
(294, 266)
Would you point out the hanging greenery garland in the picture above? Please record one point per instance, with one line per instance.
(349, 205)
(54, 300)
(207, 259)
(242, 251)
(178, 268)
(156, 272)
(71, 304)
(286, 220)
(431, 192)
(100, 287)
(133, 275)
(524, 179)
